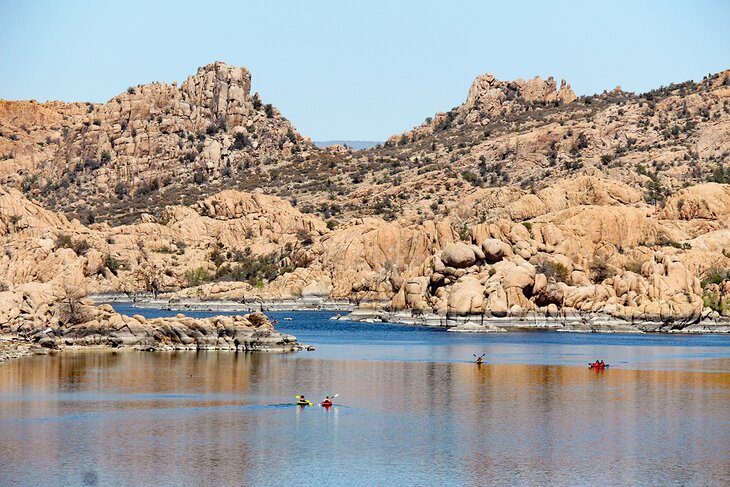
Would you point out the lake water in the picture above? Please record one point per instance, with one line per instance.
(412, 410)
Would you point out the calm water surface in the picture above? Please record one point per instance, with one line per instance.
(412, 410)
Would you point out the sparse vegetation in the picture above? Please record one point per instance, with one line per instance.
(553, 269)
(111, 263)
(601, 270)
(197, 276)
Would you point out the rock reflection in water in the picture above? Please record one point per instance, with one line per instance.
(225, 418)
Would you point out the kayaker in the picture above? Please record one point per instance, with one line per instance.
(327, 400)
(479, 359)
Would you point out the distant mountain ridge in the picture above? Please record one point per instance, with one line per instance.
(353, 144)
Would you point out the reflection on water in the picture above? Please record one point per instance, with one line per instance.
(223, 418)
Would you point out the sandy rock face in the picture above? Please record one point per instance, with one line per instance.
(710, 201)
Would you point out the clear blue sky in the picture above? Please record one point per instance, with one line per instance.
(354, 69)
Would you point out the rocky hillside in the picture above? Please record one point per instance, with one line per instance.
(84, 158)
(158, 145)
(524, 201)
(582, 245)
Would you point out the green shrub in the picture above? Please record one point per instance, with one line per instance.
(712, 300)
(464, 233)
(198, 276)
(714, 276)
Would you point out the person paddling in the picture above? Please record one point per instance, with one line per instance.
(328, 401)
(479, 359)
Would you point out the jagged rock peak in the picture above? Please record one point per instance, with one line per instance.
(487, 92)
(219, 82)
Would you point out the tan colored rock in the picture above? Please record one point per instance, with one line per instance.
(466, 297)
(458, 255)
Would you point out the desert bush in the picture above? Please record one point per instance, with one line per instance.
(70, 306)
(199, 177)
(240, 141)
(714, 275)
(304, 236)
(712, 300)
(553, 269)
(121, 190)
(111, 263)
(63, 241)
(633, 266)
(197, 276)
(601, 270)
(81, 246)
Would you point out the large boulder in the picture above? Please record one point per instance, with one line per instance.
(415, 293)
(466, 297)
(458, 255)
(495, 250)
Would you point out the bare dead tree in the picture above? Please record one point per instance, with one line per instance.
(70, 300)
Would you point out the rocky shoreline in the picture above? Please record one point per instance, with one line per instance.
(569, 322)
(377, 312)
(35, 319)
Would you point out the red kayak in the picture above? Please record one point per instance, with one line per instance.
(326, 403)
(598, 366)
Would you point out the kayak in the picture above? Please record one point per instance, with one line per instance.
(305, 403)
(598, 366)
(326, 403)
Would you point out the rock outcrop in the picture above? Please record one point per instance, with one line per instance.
(144, 139)
(36, 316)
